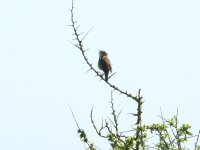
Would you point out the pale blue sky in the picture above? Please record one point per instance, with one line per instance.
(152, 44)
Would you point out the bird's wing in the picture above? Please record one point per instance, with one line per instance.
(107, 61)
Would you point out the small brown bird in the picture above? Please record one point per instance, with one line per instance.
(104, 63)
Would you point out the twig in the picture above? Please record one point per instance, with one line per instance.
(196, 144)
(74, 117)
(163, 120)
(102, 126)
(115, 124)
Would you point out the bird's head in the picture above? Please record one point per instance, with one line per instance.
(102, 53)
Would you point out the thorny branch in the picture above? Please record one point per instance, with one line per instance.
(139, 122)
(106, 124)
(139, 133)
(138, 98)
(115, 117)
(79, 45)
(120, 136)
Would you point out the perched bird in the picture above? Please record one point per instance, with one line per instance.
(104, 63)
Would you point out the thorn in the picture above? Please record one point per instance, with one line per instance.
(86, 50)
(80, 34)
(89, 70)
(77, 27)
(111, 75)
(87, 34)
(74, 22)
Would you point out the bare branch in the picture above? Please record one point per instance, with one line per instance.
(102, 126)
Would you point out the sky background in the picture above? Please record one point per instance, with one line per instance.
(153, 46)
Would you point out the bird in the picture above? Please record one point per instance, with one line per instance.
(104, 63)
